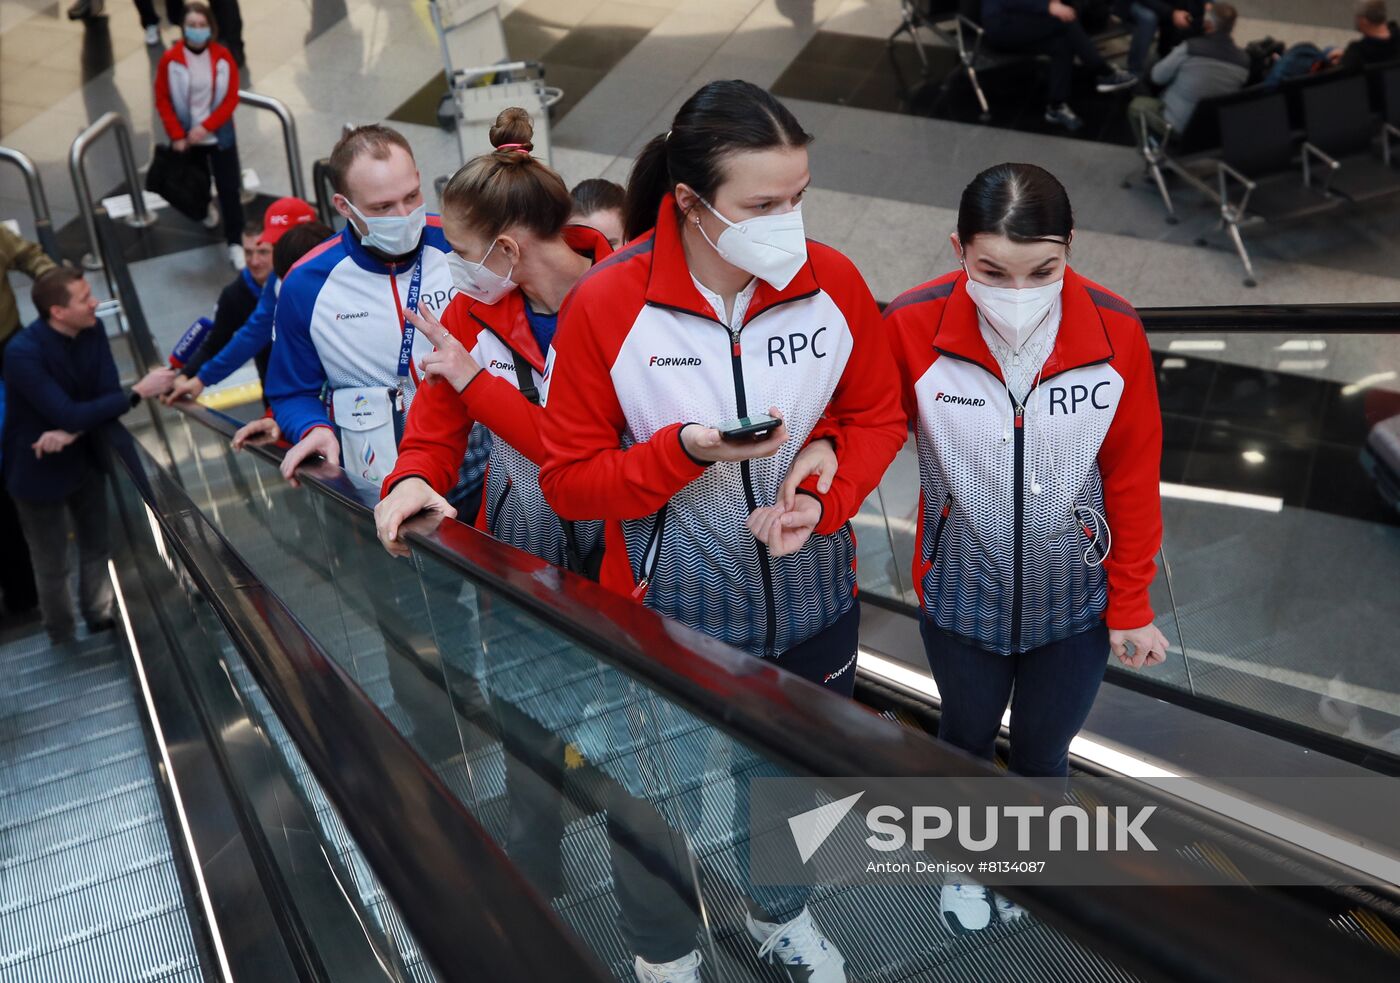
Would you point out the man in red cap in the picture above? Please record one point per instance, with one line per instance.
(248, 300)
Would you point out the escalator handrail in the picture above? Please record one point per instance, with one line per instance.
(1368, 756)
(473, 913)
(1275, 318)
(802, 726)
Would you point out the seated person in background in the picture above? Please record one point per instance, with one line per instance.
(1379, 41)
(1187, 21)
(1144, 18)
(1052, 29)
(598, 204)
(1203, 67)
(61, 385)
(219, 357)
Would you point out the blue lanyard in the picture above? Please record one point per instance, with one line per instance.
(410, 304)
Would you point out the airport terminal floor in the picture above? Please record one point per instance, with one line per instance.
(294, 756)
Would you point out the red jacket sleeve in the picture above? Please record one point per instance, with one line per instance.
(864, 418)
(499, 406)
(586, 474)
(439, 424)
(164, 106)
(223, 112)
(1130, 461)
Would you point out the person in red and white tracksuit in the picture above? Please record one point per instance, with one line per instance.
(725, 310)
(1040, 437)
(513, 262)
(196, 95)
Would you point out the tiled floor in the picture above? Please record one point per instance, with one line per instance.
(885, 182)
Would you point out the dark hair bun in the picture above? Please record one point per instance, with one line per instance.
(513, 126)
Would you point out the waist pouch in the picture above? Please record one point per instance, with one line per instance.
(369, 420)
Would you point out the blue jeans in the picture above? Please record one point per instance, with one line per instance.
(1143, 23)
(827, 659)
(1050, 688)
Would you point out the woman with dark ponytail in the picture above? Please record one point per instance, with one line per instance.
(668, 357)
(1040, 439)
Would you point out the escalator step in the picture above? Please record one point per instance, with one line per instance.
(75, 791)
(64, 678)
(61, 871)
(47, 763)
(118, 809)
(154, 949)
(69, 728)
(30, 655)
(39, 713)
(147, 889)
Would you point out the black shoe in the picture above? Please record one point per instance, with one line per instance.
(101, 625)
(1116, 80)
(1063, 116)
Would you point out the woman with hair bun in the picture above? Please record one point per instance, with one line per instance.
(514, 259)
(1040, 440)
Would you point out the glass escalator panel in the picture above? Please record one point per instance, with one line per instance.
(1278, 582)
(623, 808)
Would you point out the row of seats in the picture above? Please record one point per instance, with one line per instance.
(1274, 154)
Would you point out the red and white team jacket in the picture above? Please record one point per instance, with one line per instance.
(1004, 520)
(639, 354)
(440, 421)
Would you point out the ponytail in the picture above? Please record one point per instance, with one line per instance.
(720, 119)
(648, 184)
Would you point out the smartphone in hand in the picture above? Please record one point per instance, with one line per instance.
(748, 429)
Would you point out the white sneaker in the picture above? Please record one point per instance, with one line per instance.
(686, 969)
(153, 36)
(236, 257)
(1006, 910)
(800, 948)
(211, 217)
(965, 907)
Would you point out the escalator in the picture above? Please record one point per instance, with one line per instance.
(299, 758)
(90, 874)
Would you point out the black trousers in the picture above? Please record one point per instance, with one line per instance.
(226, 15)
(174, 12)
(228, 182)
(1043, 34)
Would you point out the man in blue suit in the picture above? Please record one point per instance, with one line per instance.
(62, 387)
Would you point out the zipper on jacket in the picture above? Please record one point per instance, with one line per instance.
(652, 555)
(1019, 505)
(938, 529)
(764, 560)
(494, 514)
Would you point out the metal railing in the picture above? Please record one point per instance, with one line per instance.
(140, 217)
(38, 201)
(289, 134)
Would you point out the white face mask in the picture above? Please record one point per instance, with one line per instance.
(1014, 313)
(392, 235)
(771, 247)
(478, 282)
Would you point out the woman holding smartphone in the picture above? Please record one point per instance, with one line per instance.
(1040, 442)
(725, 311)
